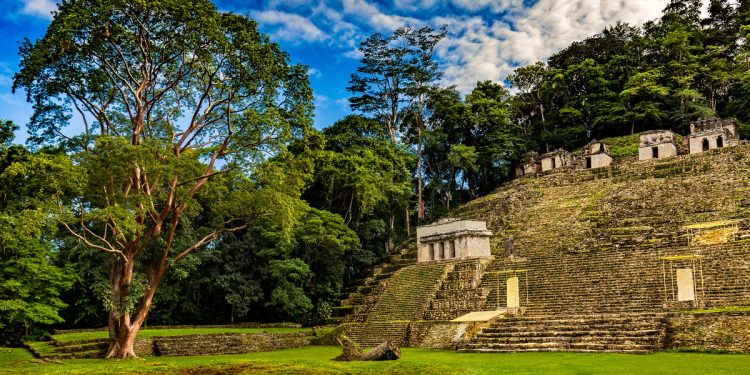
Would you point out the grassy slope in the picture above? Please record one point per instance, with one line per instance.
(145, 333)
(316, 360)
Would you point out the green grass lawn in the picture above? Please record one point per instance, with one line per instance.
(316, 360)
(145, 333)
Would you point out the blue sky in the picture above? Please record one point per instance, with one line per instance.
(487, 38)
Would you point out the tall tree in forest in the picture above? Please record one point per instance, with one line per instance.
(529, 81)
(395, 74)
(176, 98)
(423, 75)
(361, 176)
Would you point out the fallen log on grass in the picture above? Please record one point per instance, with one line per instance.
(383, 352)
(352, 352)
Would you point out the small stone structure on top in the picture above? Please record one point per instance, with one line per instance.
(711, 133)
(556, 159)
(596, 155)
(453, 239)
(529, 164)
(657, 144)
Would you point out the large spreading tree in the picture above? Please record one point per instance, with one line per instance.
(178, 105)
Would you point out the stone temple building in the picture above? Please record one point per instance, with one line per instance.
(707, 134)
(596, 155)
(556, 159)
(657, 144)
(529, 165)
(453, 239)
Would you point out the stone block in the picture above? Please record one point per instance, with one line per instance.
(685, 285)
(513, 300)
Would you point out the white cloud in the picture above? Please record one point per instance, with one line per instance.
(312, 72)
(321, 101)
(290, 27)
(374, 17)
(487, 38)
(476, 49)
(39, 8)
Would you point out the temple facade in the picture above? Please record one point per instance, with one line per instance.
(453, 239)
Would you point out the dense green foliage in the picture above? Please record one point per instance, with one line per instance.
(30, 283)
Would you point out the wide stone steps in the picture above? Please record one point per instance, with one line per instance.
(625, 333)
(560, 347)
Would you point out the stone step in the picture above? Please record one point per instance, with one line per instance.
(483, 350)
(630, 340)
(492, 333)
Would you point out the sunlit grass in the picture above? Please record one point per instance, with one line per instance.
(316, 360)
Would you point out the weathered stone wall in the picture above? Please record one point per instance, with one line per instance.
(228, 343)
(696, 142)
(435, 334)
(423, 334)
(600, 160)
(666, 150)
(722, 331)
(593, 241)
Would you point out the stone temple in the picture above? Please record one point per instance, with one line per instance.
(451, 239)
(707, 134)
(657, 144)
(630, 257)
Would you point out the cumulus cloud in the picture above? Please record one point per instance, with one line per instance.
(477, 49)
(312, 72)
(289, 26)
(39, 8)
(487, 38)
(374, 17)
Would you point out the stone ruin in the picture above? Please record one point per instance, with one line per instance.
(657, 144)
(529, 165)
(607, 263)
(453, 239)
(556, 159)
(596, 155)
(711, 133)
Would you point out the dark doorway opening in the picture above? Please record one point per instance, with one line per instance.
(705, 144)
(554, 163)
(719, 142)
(588, 163)
(655, 152)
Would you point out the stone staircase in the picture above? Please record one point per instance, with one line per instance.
(461, 291)
(94, 348)
(609, 333)
(359, 299)
(406, 294)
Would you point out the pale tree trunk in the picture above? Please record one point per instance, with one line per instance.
(420, 202)
(406, 220)
(126, 326)
(544, 125)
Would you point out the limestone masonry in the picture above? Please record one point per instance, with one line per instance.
(453, 239)
(593, 255)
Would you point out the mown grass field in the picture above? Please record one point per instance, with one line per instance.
(145, 333)
(316, 360)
